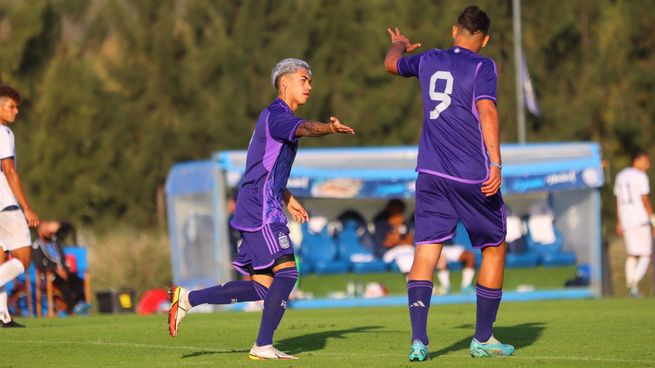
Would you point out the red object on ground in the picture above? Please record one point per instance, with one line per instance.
(151, 301)
(71, 262)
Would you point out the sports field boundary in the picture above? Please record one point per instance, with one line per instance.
(401, 300)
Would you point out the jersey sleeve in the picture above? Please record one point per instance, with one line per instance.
(283, 126)
(6, 145)
(485, 81)
(407, 66)
(645, 185)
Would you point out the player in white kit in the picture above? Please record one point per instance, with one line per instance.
(15, 211)
(635, 219)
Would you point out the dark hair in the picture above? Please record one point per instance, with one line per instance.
(65, 228)
(474, 20)
(395, 204)
(637, 154)
(6, 91)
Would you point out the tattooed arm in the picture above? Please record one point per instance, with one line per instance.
(491, 134)
(310, 128)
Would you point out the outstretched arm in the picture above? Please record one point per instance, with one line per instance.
(9, 169)
(311, 128)
(400, 44)
(491, 134)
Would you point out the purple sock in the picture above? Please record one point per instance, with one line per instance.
(275, 303)
(230, 292)
(488, 303)
(419, 293)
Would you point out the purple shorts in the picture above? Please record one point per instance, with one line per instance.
(441, 202)
(260, 249)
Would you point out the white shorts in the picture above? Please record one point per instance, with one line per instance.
(452, 252)
(14, 232)
(638, 241)
(403, 255)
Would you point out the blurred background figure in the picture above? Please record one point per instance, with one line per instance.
(635, 219)
(395, 236)
(48, 256)
(455, 253)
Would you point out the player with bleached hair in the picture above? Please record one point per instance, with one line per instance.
(459, 171)
(266, 253)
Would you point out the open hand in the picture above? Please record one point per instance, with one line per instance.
(297, 211)
(396, 36)
(337, 127)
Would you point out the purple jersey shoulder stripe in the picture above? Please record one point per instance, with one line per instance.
(485, 97)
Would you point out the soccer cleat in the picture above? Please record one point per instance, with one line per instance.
(490, 348)
(11, 324)
(440, 290)
(634, 292)
(267, 352)
(179, 308)
(418, 352)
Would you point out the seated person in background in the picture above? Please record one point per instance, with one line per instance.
(455, 253)
(395, 236)
(48, 255)
(541, 223)
(364, 235)
(515, 237)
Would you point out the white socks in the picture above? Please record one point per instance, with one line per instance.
(640, 270)
(10, 270)
(444, 278)
(635, 269)
(4, 309)
(467, 276)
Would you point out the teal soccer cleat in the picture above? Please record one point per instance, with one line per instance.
(418, 352)
(490, 348)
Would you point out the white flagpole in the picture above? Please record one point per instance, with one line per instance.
(520, 103)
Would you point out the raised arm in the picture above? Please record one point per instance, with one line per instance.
(312, 128)
(491, 134)
(400, 44)
(9, 169)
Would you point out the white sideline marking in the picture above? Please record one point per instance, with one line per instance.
(334, 355)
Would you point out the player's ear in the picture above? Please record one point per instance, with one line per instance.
(485, 40)
(455, 31)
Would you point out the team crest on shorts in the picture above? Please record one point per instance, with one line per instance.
(283, 240)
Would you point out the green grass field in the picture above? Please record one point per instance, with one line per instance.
(602, 333)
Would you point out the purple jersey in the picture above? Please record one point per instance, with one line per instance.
(452, 81)
(271, 153)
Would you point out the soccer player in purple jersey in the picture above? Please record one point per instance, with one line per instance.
(458, 171)
(266, 253)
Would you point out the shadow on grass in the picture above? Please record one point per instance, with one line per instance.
(293, 345)
(212, 352)
(520, 336)
(317, 341)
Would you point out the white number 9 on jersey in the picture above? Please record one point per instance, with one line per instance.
(442, 97)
